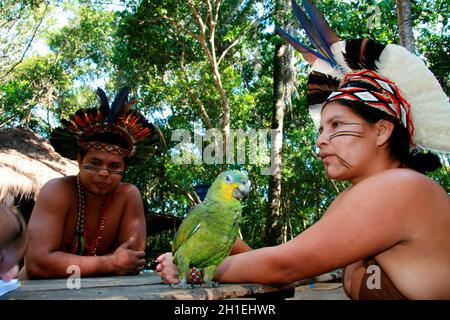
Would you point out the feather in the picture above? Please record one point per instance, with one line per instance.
(362, 53)
(372, 52)
(63, 141)
(319, 87)
(104, 103)
(307, 53)
(315, 30)
(128, 105)
(79, 118)
(429, 103)
(318, 31)
(323, 28)
(118, 104)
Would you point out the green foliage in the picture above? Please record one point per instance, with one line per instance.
(20, 21)
(85, 45)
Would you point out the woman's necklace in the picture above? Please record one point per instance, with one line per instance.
(80, 244)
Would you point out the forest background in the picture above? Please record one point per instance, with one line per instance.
(198, 65)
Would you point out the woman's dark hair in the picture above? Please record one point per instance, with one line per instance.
(399, 142)
(18, 235)
(107, 138)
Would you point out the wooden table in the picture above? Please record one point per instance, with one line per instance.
(146, 286)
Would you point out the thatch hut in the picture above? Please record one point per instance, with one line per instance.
(27, 162)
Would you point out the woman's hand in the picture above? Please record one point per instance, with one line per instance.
(167, 269)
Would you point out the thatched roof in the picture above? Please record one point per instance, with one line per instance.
(27, 162)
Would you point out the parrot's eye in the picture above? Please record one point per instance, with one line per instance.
(228, 178)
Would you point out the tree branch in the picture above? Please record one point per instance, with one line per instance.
(197, 16)
(222, 56)
(28, 46)
(179, 26)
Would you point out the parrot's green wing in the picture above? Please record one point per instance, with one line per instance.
(207, 234)
(189, 226)
(213, 230)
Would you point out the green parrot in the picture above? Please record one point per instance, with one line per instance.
(206, 235)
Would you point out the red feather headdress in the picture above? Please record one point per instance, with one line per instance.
(138, 137)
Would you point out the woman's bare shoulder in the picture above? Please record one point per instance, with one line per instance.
(399, 191)
(400, 180)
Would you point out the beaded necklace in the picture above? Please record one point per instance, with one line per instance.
(80, 244)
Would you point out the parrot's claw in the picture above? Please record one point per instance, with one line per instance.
(182, 285)
(210, 284)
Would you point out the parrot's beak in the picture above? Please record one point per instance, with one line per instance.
(241, 191)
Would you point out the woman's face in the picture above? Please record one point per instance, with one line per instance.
(347, 143)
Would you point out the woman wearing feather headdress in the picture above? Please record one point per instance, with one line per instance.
(378, 109)
(93, 221)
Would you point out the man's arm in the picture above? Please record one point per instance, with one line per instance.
(133, 220)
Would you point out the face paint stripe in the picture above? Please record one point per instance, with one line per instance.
(345, 163)
(346, 133)
(96, 169)
(359, 124)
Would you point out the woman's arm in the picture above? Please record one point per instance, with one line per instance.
(169, 272)
(361, 222)
(239, 247)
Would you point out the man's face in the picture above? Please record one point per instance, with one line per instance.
(101, 171)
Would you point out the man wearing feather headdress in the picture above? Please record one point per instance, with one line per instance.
(93, 222)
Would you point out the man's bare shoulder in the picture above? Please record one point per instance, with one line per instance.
(63, 182)
(63, 187)
(128, 188)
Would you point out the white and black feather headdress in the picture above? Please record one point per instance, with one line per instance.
(403, 84)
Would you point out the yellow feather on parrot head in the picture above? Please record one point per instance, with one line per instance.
(229, 185)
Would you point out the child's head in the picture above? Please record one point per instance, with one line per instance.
(13, 239)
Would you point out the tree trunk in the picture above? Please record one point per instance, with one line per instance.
(404, 19)
(207, 26)
(283, 83)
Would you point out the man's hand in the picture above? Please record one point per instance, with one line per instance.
(167, 269)
(127, 261)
